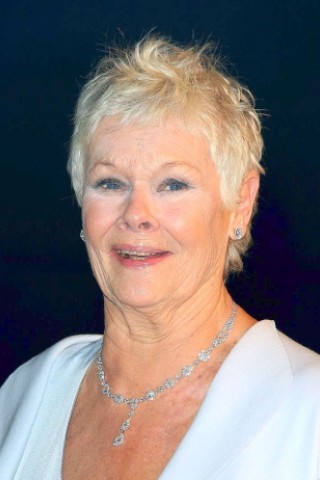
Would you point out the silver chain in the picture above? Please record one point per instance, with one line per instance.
(170, 383)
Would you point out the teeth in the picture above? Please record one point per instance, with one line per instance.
(140, 255)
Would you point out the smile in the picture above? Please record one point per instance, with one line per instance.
(137, 255)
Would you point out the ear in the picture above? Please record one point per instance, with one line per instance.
(246, 199)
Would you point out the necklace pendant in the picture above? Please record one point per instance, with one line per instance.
(118, 440)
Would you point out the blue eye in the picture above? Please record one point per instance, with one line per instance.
(109, 184)
(173, 185)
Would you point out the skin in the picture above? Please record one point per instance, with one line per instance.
(153, 190)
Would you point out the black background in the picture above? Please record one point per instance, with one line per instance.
(46, 287)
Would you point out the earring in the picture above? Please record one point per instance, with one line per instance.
(238, 233)
(82, 235)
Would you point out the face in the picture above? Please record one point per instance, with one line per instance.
(156, 230)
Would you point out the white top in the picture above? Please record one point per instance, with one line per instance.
(260, 419)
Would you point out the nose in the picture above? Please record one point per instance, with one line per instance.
(139, 212)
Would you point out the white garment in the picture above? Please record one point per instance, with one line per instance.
(260, 419)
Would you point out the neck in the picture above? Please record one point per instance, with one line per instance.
(152, 343)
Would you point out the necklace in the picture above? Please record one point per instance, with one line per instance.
(170, 383)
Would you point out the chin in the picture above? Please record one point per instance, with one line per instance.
(137, 296)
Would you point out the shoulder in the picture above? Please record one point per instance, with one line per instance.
(46, 383)
(304, 363)
(301, 363)
(77, 345)
(299, 356)
(26, 385)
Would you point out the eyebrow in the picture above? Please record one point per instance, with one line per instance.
(105, 163)
(178, 163)
(169, 164)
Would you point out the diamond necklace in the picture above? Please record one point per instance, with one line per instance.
(170, 383)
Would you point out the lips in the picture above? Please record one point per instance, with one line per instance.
(130, 255)
(134, 255)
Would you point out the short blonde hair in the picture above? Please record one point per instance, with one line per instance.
(156, 80)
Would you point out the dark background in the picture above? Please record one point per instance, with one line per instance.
(46, 287)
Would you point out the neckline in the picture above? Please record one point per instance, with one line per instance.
(79, 376)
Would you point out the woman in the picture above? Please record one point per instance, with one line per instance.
(165, 163)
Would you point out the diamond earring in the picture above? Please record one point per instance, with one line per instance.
(238, 233)
(82, 235)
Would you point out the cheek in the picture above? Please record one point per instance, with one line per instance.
(188, 224)
(97, 215)
(200, 224)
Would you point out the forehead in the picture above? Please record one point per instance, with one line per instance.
(136, 143)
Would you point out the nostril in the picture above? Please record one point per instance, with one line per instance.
(145, 225)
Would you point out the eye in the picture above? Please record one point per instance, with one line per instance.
(110, 184)
(173, 185)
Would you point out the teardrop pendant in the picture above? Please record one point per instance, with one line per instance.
(118, 440)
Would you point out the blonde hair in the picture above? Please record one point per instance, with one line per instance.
(157, 79)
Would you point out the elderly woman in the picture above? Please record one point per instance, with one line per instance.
(184, 383)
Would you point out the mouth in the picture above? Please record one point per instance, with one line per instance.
(135, 255)
(131, 256)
